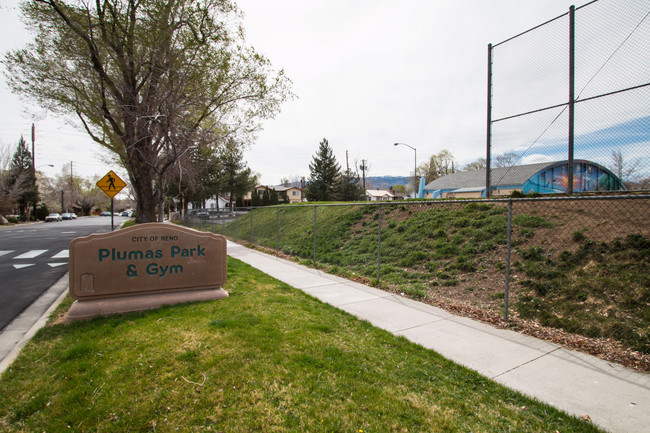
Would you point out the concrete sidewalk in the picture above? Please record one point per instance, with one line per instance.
(615, 398)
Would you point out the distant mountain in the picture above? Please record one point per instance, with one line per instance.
(385, 182)
(374, 182)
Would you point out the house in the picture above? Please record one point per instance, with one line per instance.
(215, 203)
(379, 195)
(397, 195)
(544, 178)
(286, 194)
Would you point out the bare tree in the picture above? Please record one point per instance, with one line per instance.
(437, 165)
(146, 79)
(6, 202)
(507, 159)
(479, 164)
(623, 169)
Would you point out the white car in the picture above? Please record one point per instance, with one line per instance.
(53, 217)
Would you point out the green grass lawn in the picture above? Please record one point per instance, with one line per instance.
(269, 358)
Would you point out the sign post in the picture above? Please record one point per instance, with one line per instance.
(111, 184)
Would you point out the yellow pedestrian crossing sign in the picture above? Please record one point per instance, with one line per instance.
(111, 184)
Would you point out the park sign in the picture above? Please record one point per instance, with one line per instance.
(111, 184)
(144, 266)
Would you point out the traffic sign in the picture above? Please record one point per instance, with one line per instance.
(111, 184)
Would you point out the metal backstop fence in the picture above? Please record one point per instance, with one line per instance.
(575, 264)
(576, 87)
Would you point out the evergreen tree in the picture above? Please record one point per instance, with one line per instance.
(203, 177)
(266, 197)
(237, 178)
(255, 198)
(274, 199)
(21, 182)
(350, 188)
(324, 175)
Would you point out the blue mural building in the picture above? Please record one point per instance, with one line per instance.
(544, 178)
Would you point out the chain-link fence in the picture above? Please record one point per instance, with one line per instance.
(574, 88)
(576, 264)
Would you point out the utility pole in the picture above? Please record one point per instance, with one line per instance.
(302, 189)
(71, 184)
(363, 168)
(34, 167)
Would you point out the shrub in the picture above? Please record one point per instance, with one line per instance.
(413, 258)
(531, 221)
(578, 235)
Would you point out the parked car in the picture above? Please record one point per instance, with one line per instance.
(104, 213)
(67, 216)
(126, 213)
(53, 217)
(74, 216)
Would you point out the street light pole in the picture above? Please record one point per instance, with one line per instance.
(415, 168)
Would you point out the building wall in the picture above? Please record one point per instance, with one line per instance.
(505, 191)
(294, 195)
(469, 194)
(586, 177)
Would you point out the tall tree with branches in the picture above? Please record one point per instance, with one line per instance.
(625, 170)
(437, 165)
(324, 175)
(21, 183)
(236, 178)
(147, 79)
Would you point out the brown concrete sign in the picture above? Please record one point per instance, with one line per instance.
(145, 266)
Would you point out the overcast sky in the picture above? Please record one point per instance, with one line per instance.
(366, 73)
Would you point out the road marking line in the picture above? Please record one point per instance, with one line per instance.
(24, 265)
(54, 265)
(30, 254)
(63, 254)
(3, 252)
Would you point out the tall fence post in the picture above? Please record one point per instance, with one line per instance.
(235, 225)
(277, 232)
(488, 144)
(379, 247)
(508, 250)
(572, 101)
(251, 214)
(315, 210)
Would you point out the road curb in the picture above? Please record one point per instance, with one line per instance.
(23, 328)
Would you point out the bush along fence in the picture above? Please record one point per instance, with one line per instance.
(576, 264)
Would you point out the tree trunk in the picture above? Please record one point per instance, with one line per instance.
(142, 176)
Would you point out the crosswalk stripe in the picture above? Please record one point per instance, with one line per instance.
(54, 265)
(30, 254)
(25, 265)
(3, 252)
(63, 254)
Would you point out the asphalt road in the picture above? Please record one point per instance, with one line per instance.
(35, 256)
